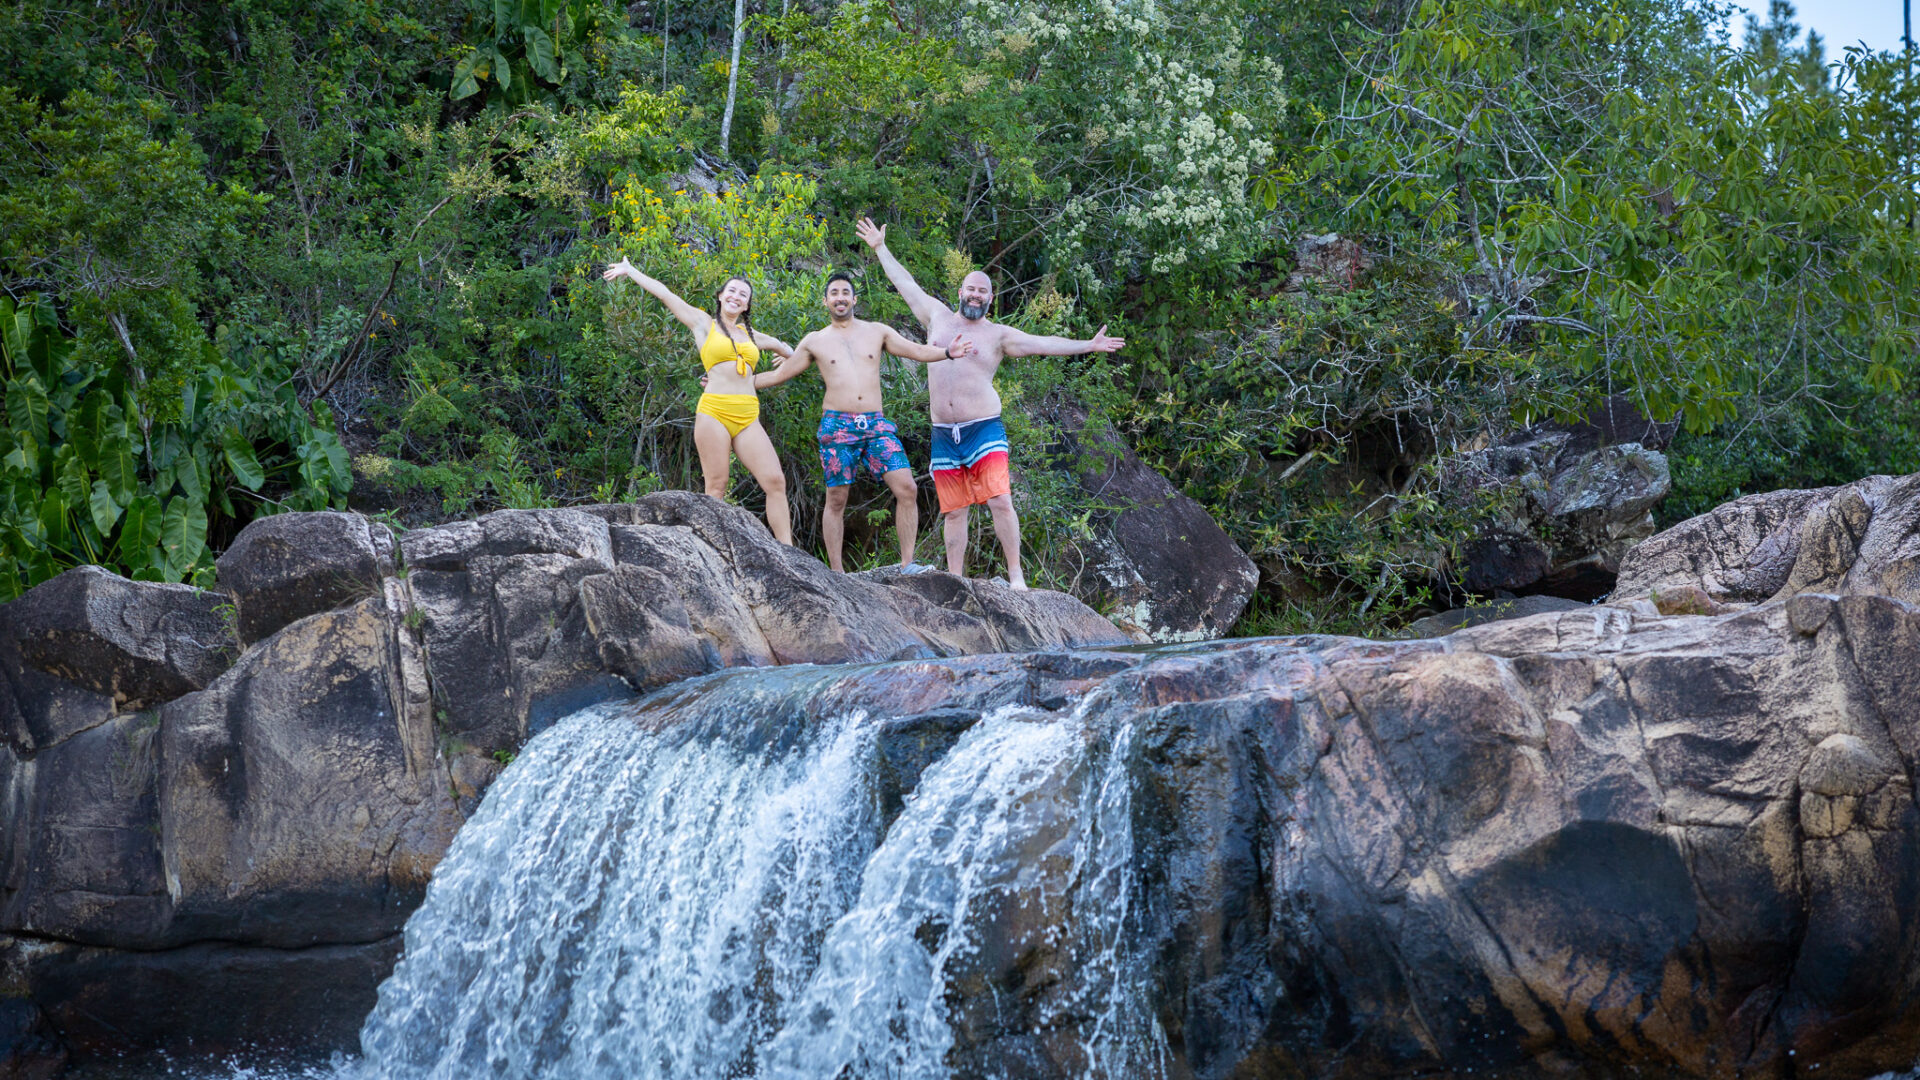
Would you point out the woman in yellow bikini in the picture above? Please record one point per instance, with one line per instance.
(728, 415)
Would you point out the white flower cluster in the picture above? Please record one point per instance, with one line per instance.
(1174, 117)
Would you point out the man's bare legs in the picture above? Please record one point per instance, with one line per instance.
(906, 511)
(833, 524)
(906, 517)
(1006, 526)
(953, 530)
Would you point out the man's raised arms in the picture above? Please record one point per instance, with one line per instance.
(925, 308)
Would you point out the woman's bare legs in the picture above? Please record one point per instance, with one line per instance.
(710, 438)
(755, 450)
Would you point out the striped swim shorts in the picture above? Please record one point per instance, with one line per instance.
(970, 462)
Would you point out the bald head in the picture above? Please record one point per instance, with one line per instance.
(976, 293)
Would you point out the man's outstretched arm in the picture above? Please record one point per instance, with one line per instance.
(925, 308)
(1019, 344)
(900, 345)
(796, 362)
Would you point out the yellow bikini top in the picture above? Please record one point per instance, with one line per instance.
(719, 348)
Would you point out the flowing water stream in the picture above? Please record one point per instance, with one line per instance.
(725, 881)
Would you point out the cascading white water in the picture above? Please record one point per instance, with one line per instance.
(703, 884)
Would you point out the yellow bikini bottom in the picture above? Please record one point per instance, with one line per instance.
(735, 411)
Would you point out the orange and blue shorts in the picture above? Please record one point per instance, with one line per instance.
(970, 462)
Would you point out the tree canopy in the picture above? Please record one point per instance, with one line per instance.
(271, 256)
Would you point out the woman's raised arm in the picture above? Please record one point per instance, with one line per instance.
(691, 317)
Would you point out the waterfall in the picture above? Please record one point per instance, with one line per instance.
(728, 879)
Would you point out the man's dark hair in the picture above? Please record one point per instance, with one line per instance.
(841, 275)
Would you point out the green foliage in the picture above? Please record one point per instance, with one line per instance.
(1644, 231)
(519, 39)
(393, 217)
(81, 482)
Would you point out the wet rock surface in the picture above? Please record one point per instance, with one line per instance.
(217, 809)
(1582, 844)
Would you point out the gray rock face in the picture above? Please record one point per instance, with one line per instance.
(1575, 510)
(204, 843)
(1156, 561)
(283, 568)
(1581, 844)
(1327, 261)
(1862, 537)
(89, 644)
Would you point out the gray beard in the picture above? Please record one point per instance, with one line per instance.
(972, 309)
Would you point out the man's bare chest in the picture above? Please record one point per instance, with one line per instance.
(849, 353)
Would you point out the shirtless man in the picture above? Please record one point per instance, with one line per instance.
(853, 431)
(969, 441)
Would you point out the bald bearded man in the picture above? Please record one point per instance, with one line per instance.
(969, 441)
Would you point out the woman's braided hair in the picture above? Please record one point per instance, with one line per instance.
(746, 313)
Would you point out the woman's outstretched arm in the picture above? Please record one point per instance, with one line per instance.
(691, 317)
(769, 343)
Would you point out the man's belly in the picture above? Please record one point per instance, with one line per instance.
(956, 402)
(853, 395)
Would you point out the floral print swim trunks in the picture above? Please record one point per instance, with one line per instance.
(849, 441)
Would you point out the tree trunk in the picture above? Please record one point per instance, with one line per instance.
(733, 72)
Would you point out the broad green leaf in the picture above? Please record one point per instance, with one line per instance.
(339, 464)
(465, 84)
(18, 323)
(183, 534)
(193, 477)
(502, 71)
(27, 407)
(117, 468)
(540, 54)
(240, 457)
(53, 519)
(23, 458)
(139, 531)
(106, 512)
(71, 474)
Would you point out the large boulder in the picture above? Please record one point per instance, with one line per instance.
(299, 799)
(1862, 537)
(90, 645)
(302, 797)
(1153, 559)
(281, 569)
(529, 615)
(1581, 844)
(218, 809)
